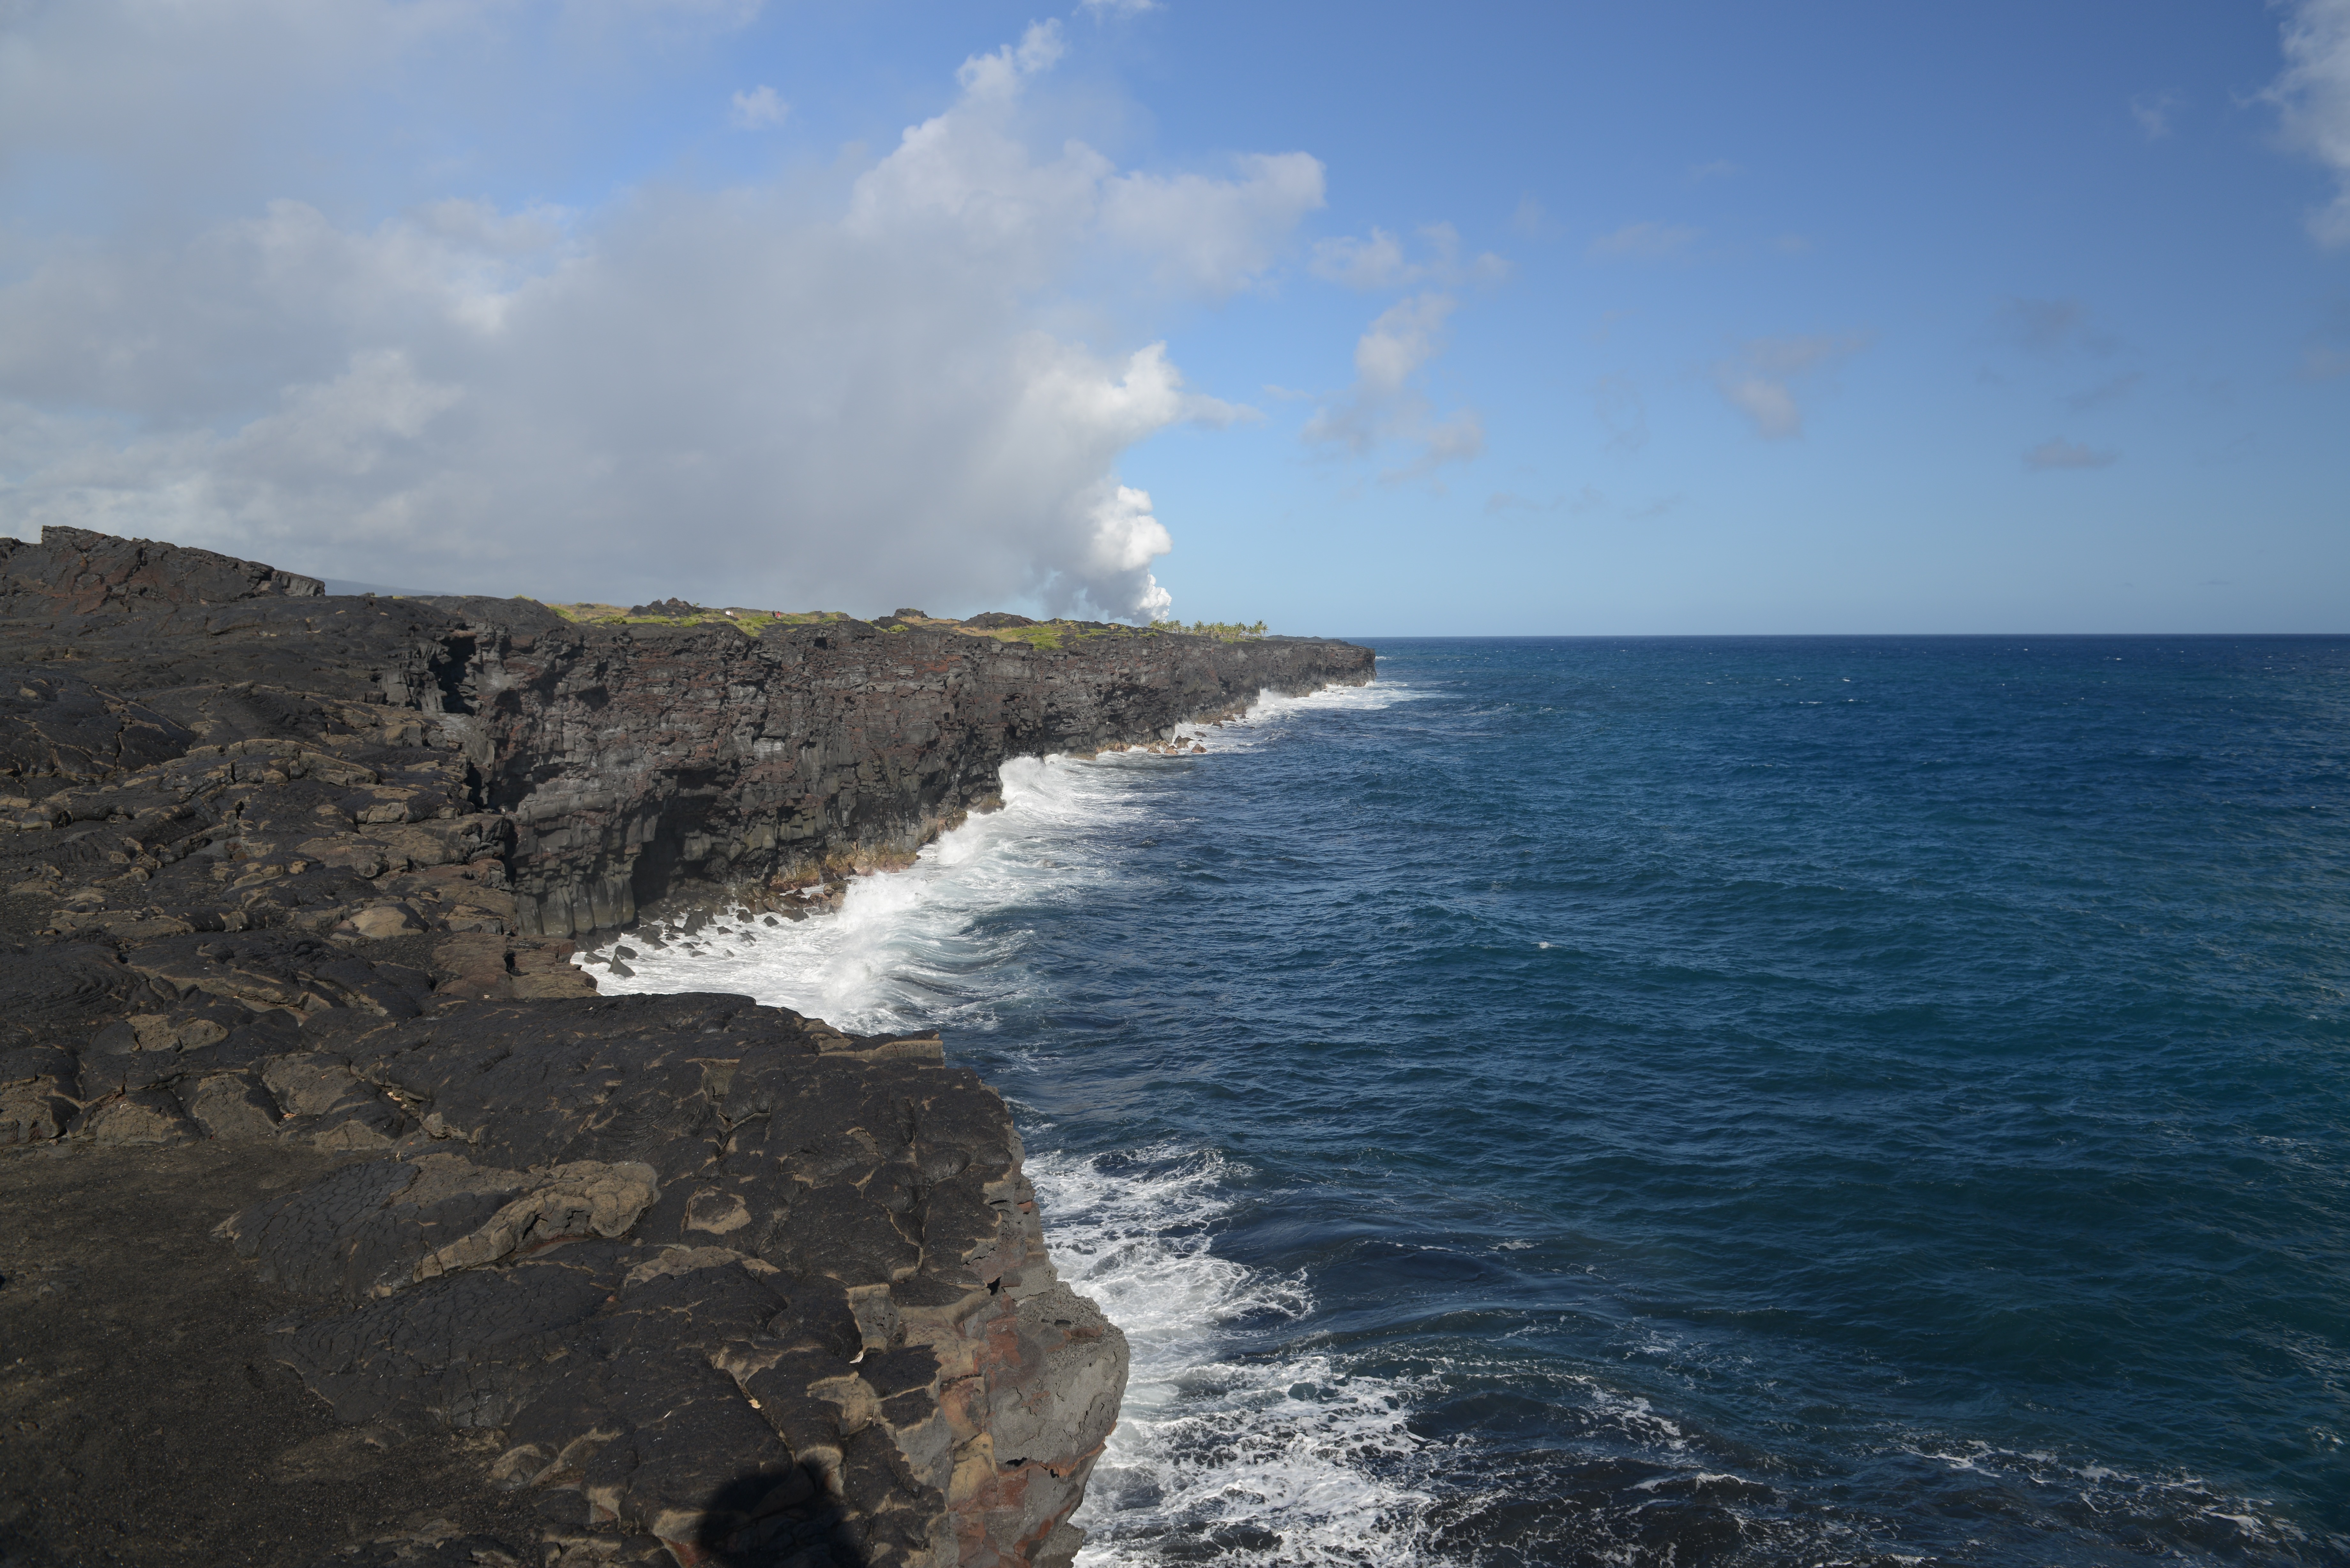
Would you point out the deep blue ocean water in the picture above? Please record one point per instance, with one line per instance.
(1681, 1101)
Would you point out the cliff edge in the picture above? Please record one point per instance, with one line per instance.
(568, 1279)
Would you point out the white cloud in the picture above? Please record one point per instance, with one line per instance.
(1117, 8)
(969, 177)
(1126, 539)
(757, 110)
(1000, 76)
(852, 397)
(1375, 263)
(1213, 236)
(1643, 241)
(1770, 405)
(1380, 261)
(140, 103)
(1758, 381)
(2153, 112)
(2313, 95)
(1403, 339)
(1386, 407)
(2059, 454)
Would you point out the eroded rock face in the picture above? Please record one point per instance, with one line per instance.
(712, 1281)
(636, 759)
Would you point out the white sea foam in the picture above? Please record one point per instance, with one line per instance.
(1281, 1456)
(2104, 1490)
(1281, 1453)
(905, 950)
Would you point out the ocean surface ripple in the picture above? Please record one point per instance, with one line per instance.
(1706, 1101)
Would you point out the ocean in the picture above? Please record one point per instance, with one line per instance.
(1671, 1101)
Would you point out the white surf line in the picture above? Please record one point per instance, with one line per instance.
(901, 953)
(1283, 1457)
(1289, 1452)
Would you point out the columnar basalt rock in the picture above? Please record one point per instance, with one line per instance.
(710, 1280)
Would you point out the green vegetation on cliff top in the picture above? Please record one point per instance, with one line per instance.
(1222, 631)
(751, 622)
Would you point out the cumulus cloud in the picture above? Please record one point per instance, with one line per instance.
(1380, 261)
(848, 395)
(1759, 381)
(1211, 237)
(1386, 406)
(757, 110)
(1643, 241)
(2056, 452)
(2312, 98)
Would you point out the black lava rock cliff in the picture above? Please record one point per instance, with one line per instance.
(287, 882)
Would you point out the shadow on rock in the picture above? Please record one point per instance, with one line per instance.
(769, 1519)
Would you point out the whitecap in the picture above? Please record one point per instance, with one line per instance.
(1284, 1454)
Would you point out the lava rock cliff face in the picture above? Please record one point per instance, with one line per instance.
(704, 1281)
(635, 760)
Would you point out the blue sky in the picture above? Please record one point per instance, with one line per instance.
(1359, 319)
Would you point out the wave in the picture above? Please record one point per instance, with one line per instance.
(1228, 1438)
(912, 948)
(906, 948)
(1268, 1451)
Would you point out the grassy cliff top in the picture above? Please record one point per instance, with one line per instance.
(741, 618)
(751, 621)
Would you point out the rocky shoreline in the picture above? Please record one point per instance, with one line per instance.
(291, 886)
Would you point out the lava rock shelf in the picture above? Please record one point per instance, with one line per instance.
(342, 1222)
